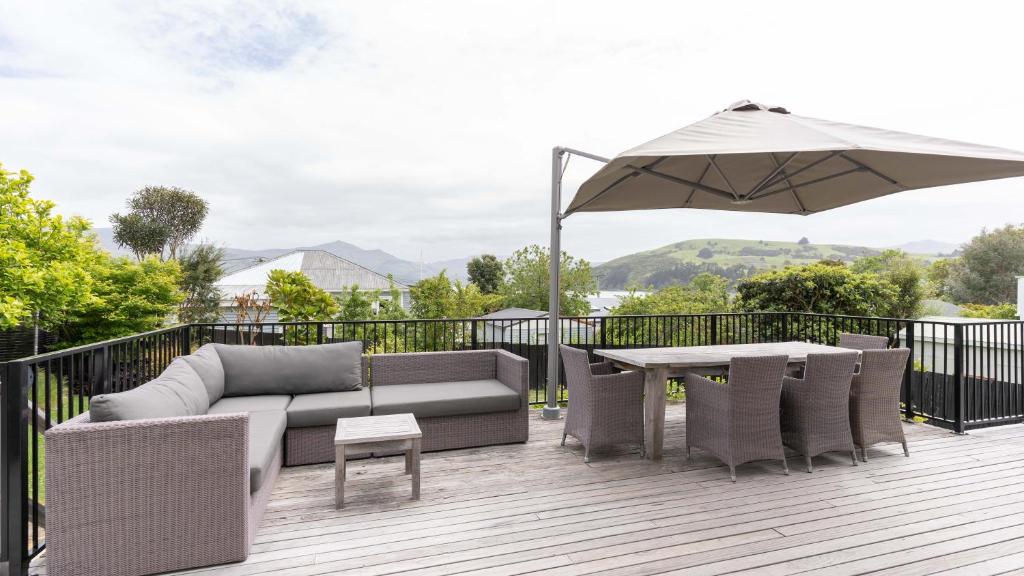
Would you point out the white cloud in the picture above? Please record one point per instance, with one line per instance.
(415, 126)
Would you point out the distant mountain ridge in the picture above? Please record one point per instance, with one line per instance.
(404, 271)
(734, 259)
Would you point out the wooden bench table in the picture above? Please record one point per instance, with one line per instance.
(390, 433)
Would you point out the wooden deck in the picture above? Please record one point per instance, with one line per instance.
(955, 506)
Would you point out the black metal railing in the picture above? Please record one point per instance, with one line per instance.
(959, 376)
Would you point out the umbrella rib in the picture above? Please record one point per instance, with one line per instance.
(872, 170)
(773, 174)
(809, 182)
(829, 156)
(618, 181)
(693, 191)
(786, 179)
(711, 159)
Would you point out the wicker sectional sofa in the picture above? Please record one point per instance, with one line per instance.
(177, 473)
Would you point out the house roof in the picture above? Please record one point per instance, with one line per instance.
(508, 313)
(324, 269)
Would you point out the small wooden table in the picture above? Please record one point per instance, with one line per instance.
(390, 433)
(660, 364)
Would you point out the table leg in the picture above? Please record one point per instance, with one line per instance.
(654, 411)
(408, 459)
(415, 465)
(339, 477)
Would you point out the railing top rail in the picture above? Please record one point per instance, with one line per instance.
(95, 345)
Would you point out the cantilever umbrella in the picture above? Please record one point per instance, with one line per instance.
(755, 158)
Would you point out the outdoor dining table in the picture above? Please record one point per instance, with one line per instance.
(660, 364)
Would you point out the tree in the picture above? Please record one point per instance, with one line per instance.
(44, 257)
(297, 299)
(937, 276)
(200, 270)
(128, 297)
(903, 272)
(705, 253)
(987, 270)
(486, 272)
(990, 311)
(160, 219)
(803, 241)
(357, 304)
(439, 297)
(705, 294)
(820, 288)
(527, 278)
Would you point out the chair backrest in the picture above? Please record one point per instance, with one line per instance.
(881, 373)
(863, 342)
(831, 373)
(756, 381)
(577, 365)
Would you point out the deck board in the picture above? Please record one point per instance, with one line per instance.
(955, 506)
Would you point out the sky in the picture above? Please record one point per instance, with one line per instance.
(425, 128)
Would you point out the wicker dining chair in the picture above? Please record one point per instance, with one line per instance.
(875, 399)
(863, 341)
(738, 422)
(816, 408)
(605, 407)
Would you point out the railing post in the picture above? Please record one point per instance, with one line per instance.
(100, 374)
(960, 398)
(714, 329)
(908, 373)
(12, 462)
(785, 327)
(186, 339)
(604, 335)
(320, 333)
(473, 335)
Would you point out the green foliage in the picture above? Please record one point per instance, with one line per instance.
(527, 281)
(990, 311)
(297, 299)
(129, 297)
(937, 278)
(200, 270)
(357, 304)
(159, 219)
(903, 272)
(486, 272)
(820, 288)
(44, 257)
(987, 270)
(439, 297)
(705, 294)
(705, 253)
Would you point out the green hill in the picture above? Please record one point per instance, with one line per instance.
(734, 259)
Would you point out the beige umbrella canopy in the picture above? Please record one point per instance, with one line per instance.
(753, 158)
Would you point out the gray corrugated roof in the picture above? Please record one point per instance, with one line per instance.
(324, 269)
(514, 313)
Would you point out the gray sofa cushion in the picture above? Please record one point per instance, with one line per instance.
(252, 370)
(265, 432)
(324, 408)
(277, 403)
(206, 363)
(177, 391)
(445, 398)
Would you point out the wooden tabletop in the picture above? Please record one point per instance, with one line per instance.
(376, 429)
(718, 355)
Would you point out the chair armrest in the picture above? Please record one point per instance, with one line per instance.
(514, 372)
(602, 368)
(706, 392)
(160, 490)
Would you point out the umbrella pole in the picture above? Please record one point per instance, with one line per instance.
(551, 410)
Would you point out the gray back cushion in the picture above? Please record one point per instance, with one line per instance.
(253, 370)
(206, 363)
(178, 391)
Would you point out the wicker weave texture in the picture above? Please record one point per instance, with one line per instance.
(875, 397)
(312, 445)
(604, 408)
(816, 409)
(463, 431)
(145, 496)
(739, 421)
(258, 501)
(863, 341)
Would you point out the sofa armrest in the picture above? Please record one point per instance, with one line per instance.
(160, 494)
(514, 372)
